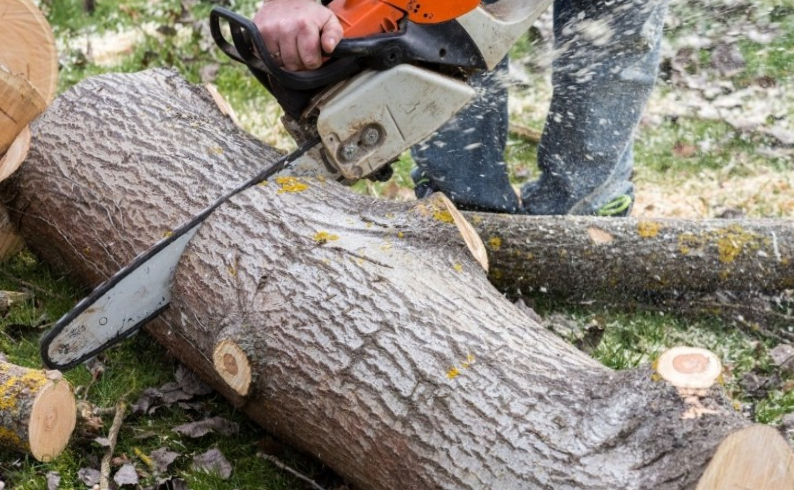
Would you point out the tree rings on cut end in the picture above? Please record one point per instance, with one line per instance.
(689, 367)
(29, 46)
(52, 420)
(233, 366)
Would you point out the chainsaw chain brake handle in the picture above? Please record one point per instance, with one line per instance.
(445, 43)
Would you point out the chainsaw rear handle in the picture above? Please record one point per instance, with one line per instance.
(248, 47)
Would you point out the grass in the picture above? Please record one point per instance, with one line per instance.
(631, 338)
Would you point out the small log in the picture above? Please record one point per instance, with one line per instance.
(37, 411)
(620, 259)
(29, 46)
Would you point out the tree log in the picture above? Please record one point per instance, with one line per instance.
(37, 411)
(596, 258)
(374, 340)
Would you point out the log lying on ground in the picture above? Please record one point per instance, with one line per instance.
(365, 332)
(37, 411)
(591, 257)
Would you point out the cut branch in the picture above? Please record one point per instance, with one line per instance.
(613, 258)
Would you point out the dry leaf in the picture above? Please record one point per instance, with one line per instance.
(89, 476)
(162, 458)
(203, 427)
(53, 480)
(190, 383)
(213, 461)
(126, 475)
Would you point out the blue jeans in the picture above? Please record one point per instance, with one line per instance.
(604, 73)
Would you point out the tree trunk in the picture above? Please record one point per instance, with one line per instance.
(37, 411)
(590, 257)
(358, 330)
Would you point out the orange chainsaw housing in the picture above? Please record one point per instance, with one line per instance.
(361, 18)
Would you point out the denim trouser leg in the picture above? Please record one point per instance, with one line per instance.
(602, 79)
(603, 76)
(464, 159)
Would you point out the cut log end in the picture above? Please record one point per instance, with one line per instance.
(689, 367)
(442, 209)
(756, 457)
(233, 366)
(52, 420)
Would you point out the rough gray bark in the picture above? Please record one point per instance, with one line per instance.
(589, 257)
(376, 342)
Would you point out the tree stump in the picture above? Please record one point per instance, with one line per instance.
(37, 411)
(373, 338)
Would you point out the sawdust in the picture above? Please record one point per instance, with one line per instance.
(710, 194)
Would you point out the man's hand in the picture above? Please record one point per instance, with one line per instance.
(296, 32)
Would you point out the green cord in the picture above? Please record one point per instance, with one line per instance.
(615, 206)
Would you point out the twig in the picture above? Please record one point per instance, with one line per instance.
(32, 286)
(113, 436)
(529, 135)
(296, 473)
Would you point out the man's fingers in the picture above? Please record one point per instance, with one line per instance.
(288, 49)
(332, 32)
(309, 48)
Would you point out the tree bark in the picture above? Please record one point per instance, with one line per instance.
(37, 411)
(374, 339)
(596, 258)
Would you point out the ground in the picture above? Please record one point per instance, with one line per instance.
(717, 140)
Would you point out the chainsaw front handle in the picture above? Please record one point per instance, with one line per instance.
(248, 48)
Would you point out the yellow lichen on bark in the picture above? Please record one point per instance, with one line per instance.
(322, 237)
(291, 184)
(9, 438)
(10, 391)
(648, 229)
(443, 216)
(731, 242)
(495, 243)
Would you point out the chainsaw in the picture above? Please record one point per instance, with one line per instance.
(398, 74)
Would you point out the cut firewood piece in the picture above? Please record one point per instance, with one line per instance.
(37, 411)
(20, 103)
(29, 46)
(756, 457)
(233, 366)
(689, 367)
